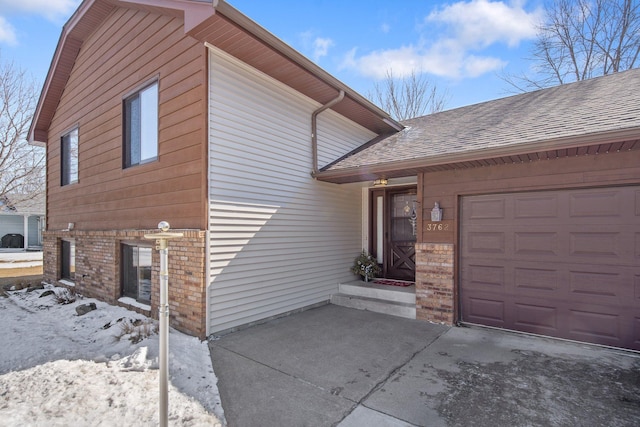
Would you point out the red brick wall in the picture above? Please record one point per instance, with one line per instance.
(98, 271)
(435, 292)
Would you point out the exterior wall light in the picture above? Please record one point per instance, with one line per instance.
(380, 182)
(436, 213)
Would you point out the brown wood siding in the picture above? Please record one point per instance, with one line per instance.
(573, 172)
(129, 49)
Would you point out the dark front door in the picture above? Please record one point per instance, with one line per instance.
(400, 251)
(394, 231)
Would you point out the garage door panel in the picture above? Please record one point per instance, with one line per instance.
(528, 207)
(486, 311)
(536, 318)
(561, 263)
(594, 244)
(592, 324)
(531, 243)
(482, 242)
(595, 203)
(489, 278)
(536, 280)
(486, 209)
(595, 284)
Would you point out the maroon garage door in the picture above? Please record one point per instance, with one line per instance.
(559, 263)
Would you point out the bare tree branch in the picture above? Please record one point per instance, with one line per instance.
(407, 97)
(581, 39)
(22, 166)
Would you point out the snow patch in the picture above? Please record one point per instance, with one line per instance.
(58, 368)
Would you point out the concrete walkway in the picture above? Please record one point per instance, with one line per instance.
(335, 366)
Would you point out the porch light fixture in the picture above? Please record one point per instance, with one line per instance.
(380, 182)
(436, 213)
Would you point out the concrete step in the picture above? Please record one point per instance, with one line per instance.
(383, 292)
(394, 308)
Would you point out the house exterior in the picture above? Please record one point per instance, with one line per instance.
(21, 224)
(189, 112)
(540, 199)
(279, 175)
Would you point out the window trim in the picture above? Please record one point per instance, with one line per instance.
(71, 178)
(126, 138)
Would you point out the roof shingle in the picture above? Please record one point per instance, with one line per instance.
(597, 106)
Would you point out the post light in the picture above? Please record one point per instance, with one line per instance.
(162, 244)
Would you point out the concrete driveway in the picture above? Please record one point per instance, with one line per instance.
(339, 366)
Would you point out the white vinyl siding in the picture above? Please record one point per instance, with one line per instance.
(279, 240)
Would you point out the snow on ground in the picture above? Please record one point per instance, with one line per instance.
(61, 369)
(20, 259)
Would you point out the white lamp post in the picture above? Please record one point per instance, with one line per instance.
(162, 244)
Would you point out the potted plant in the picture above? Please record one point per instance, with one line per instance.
(365, 266)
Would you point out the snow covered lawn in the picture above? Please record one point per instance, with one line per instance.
(61, 369)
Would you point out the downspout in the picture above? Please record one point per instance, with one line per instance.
(314, 130)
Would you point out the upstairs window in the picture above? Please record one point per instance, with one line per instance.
(69, 154)
(141, 126)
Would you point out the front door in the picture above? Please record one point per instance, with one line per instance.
(394, 231)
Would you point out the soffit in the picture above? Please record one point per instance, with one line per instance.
(246, 41)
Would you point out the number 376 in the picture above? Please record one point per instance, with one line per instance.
(437, 226)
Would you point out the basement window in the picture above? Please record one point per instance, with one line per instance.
(68, 260)
(136, 272)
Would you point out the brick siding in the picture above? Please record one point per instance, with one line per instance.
(435, 296)
(97, 274)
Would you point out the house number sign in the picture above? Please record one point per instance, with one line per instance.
(434, 227)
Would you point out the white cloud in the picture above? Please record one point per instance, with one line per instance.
(7, 32)
(464, 29)
(321, 47)
(477, 66)
(440, 60)
(484, 22)
(50, 9)
(385, 28)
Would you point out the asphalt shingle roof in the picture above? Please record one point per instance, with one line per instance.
(589, 107)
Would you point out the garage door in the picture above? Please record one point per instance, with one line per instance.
(558, 263)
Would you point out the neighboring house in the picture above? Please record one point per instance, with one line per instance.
(189, 112)
(21, 223)
(540, 195)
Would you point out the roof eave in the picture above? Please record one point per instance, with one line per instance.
(73, 36)
(262, 34)
(194, 13)
(411, 167)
